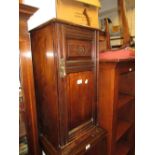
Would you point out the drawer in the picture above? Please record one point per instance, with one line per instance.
(91, 142)
(126, 67)
(79, 49)
(79, 43)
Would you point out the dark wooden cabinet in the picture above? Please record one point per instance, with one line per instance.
(65, 73)
(26, 80)
(116, 104)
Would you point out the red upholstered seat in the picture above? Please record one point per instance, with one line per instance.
(117, 55)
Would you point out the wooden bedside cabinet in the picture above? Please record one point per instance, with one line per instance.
(65, 72)
(116, 104)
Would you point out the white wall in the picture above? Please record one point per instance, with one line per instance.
(109, 8)
(46, 12)
(108, 4)
(130, 12)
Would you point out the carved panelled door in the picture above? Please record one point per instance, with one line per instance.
(80, 100)
(77, 71)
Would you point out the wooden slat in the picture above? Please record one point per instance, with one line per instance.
(122, 128)
(124, 99)
(124, 22)
(122, 149)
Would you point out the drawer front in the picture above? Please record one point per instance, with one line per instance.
(79, 43)
(98, 149)
(79, 49)
(126, 67)
(92, 142)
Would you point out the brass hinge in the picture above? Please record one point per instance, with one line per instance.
(62, 68)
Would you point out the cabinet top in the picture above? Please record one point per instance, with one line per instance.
(55, 20)
(27, 10)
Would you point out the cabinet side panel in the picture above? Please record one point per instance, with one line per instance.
(44, 64)
(27, 81)
(106, 101)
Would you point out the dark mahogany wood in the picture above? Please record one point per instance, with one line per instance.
(65, 73)
(116, 104)
(27, 83)
(80, 113)
(46, 83)
(76, 49)
(93, 142)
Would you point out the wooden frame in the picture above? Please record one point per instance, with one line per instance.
(124, 22)
(26, 74)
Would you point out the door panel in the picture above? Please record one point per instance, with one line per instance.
(78, 49)
(80, 98)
